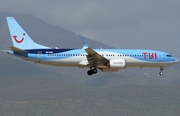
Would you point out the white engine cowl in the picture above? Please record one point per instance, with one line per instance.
(117, 64)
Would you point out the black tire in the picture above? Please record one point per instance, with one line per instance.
(160, 73)
(95, 70)
(89, 72)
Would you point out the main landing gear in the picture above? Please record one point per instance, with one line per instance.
(92, 71)
(161, 73)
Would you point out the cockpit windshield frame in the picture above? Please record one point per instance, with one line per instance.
(168, 55)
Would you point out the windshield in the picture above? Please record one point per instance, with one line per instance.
(169, 55)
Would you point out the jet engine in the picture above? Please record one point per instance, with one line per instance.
(117, 64)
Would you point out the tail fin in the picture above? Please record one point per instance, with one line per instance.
(19, 37)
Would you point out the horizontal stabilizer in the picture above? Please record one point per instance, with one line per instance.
(15, 49)
(7, 51)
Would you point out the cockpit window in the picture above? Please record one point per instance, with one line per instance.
(169, 55)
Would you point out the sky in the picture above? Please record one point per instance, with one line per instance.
(148, 24)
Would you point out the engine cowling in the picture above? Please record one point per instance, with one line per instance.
(117, 64)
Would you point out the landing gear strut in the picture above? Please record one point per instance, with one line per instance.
(92, 71)
(161, 73)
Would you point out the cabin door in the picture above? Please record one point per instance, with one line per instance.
(159, 56)
(39, 55)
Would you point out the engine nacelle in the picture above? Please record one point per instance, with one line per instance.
(117, 64)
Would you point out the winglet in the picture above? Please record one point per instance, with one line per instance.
(84, 44)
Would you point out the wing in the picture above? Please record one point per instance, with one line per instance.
(95, 58)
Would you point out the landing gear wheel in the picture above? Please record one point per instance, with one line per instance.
(94, 70)
(160, 73)
(89, 72)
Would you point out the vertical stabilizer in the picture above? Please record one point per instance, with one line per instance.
(19, 37)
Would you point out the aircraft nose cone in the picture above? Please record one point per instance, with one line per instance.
(176, 60)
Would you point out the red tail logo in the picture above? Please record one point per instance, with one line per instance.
(19, 41)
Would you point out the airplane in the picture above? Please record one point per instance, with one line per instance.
(106, 60)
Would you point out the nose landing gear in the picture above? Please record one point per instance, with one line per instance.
(161, 73)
